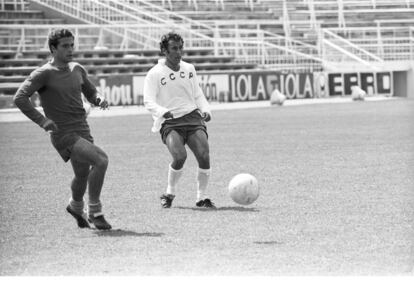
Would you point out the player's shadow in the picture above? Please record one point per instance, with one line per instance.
(121, 233)
(273, 242)
(237, 209)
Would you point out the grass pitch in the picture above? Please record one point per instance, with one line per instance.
(336, 181)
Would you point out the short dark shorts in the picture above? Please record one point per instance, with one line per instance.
(63, 143)
(184, 126)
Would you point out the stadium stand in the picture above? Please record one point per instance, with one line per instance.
(18, 12)
(23, 54)
(307, 21)
(121, 36)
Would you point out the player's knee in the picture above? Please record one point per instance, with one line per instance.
(102, 162)
(204, 157)
(179, 159)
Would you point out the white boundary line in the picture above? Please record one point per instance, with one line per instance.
(14, 114)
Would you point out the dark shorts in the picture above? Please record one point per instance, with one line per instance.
(184, 126)
(63, 143)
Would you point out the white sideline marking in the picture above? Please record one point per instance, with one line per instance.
(14, 114)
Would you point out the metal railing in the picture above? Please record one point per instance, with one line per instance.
(394, 23)
(411, 43)
(220, 4)
(139, 24)
(337, 49)
(260, 35)
(268, 55)
(373, 3)
(21, 38)
(18, 5)
(246, 48)
(196, 33)
(123, 12)
(286, 20)
(339, 6)
(385, 43)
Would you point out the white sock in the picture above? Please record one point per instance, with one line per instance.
(94, 209)
(173, 178)
(77, 207)
(203, 176)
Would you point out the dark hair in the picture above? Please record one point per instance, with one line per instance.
(56, 35)
(167, 37)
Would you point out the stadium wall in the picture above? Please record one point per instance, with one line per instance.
(252, 86)
(410, 81)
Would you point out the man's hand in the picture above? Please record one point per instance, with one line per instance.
(49, 126)
(101, 102)
(168, 115)
(206, 116)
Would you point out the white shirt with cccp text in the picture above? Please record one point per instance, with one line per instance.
(174, 91)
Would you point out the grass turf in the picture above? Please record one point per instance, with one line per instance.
(336, 197)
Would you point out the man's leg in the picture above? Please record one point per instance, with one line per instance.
(175, 145)
(76, 205)
(84, 152)
(198, 144)
(80, 181)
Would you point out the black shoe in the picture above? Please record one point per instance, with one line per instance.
(99, 221)
(166, 200)
(206, 203)
(80, 219)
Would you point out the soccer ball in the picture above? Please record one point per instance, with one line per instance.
(357, 93)
(277, 98)
(87, 106)
(244, 189)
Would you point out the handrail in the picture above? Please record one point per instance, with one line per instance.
(388, 43)
(221, 4)
(411, 31)
(286, 22)
(345, 52)
(381, 22)
(345, 42)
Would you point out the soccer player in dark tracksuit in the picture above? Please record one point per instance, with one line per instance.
(60, 83)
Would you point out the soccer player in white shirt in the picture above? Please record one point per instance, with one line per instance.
(179, 109)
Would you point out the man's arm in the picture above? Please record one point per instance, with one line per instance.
(21, 99)
(150, 93)
(201, 100)
(90, 92)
